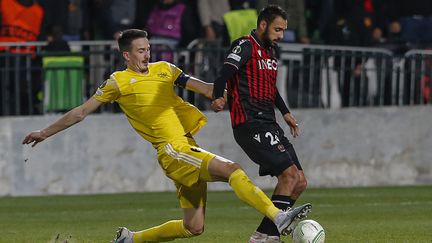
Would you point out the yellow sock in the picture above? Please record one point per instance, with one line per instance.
(165, 232)
(251, 194)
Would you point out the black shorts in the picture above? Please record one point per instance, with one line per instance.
(268, 147)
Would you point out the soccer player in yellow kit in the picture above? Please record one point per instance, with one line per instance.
(145, 93)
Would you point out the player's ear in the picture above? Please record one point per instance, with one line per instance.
(126, 55)
(262, 24)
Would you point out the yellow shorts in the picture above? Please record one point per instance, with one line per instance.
(187, 165)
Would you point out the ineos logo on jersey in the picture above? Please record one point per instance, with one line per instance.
(269, 64)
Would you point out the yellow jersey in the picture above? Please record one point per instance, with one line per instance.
(151, 104)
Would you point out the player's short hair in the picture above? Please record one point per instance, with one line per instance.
(127, 36)
(269, 13)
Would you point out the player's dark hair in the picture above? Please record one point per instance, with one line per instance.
(269, 13)
(127, 36)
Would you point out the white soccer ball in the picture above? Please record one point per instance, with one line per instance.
(308, 231)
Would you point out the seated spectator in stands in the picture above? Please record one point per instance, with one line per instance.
(410, 21)
(211, 14)
(242, 4)
(164, 23)
(56, 43)
(114, 16)
(168, 22)
(297, 30)
(71, 15)
(358, 22)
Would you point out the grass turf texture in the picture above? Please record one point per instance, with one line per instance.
(387, 214)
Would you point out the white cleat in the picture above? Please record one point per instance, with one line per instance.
(258, 237)
(286, 220)
(123, 236)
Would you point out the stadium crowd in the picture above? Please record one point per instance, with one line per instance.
(389, 23)
(396, 25)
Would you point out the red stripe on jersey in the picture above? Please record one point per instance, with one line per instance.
(254, 73)
(249, 77)
(237, 112)
(242, 113)
(261, 80)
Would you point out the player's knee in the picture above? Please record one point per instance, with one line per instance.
(288, 177)
(301, 185)
(233, 166)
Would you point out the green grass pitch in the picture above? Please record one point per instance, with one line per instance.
(385, 214)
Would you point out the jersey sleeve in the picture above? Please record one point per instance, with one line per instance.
(108, 91)
(176, 72)
(240, 53)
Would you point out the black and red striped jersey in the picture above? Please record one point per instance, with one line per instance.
(252, 89)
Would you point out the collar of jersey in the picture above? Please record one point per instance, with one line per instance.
(132, 71)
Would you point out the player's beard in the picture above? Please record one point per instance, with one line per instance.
(266, 40)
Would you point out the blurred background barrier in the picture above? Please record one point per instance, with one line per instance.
(310, 76)
(350, 147)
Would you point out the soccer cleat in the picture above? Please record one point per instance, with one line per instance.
(123, 236)
(258, 237)
(285, 221)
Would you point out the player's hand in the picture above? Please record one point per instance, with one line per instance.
(292, 123)
(34, 137)
(218, 104)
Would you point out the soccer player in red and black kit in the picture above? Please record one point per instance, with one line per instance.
(250, 69)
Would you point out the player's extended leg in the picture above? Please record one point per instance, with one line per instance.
(282, 199)
(291, 183)
(192, 201)
(224, 170)
(221, 169)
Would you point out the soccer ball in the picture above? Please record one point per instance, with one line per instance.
(308, 231)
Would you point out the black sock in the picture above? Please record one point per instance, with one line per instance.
(267, 226)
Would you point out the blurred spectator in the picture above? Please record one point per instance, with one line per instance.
(20, 21)
(113, 16)
(55, 40)
(410, 21)
(191, 23)
(71, 15)
(354, 23)
(211, 14)
(165, 22)
(242, 4)
(142, 12)
(165, 25)
(297, 30)
(358, 22)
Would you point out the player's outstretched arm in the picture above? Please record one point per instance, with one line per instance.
(70, 118)
(199, 86)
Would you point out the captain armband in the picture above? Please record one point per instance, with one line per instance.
(182, 80)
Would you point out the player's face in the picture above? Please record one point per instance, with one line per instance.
(275, 30)
(139, 56)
